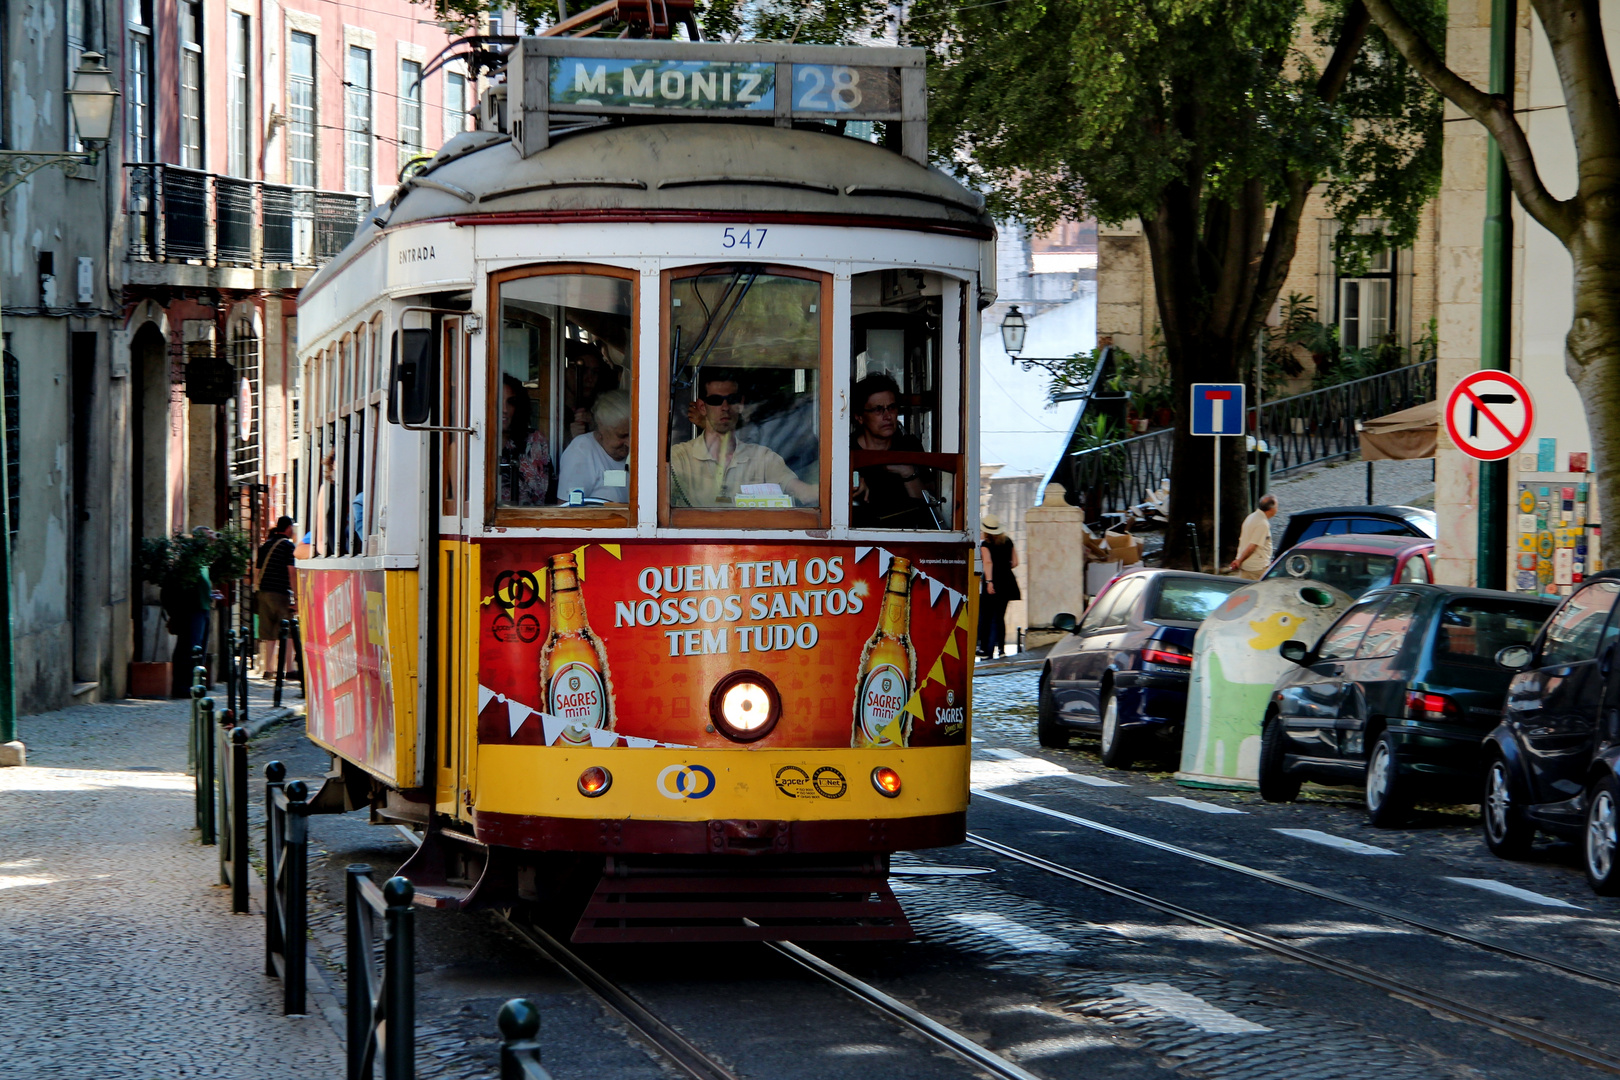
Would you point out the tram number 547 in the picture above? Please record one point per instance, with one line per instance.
(743, 238)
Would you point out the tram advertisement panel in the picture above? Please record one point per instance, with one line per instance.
(344, 620)
(628, 644)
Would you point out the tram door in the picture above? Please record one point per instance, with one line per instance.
(458, 578)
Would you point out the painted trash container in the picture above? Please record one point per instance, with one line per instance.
(1235, 665)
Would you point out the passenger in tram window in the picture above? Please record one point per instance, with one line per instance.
(713, 468)
(525, 463)
(597, 462)
(589, 375)
(886, 496)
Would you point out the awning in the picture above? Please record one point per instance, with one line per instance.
(1401, 436)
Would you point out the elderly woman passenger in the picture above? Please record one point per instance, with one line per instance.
(597, 463)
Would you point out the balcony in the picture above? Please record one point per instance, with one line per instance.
(186, 227)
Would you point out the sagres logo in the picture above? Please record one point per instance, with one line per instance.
(685, 782)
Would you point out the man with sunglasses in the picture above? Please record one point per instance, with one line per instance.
(712, 469)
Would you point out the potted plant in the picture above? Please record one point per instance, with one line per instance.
(187, 569)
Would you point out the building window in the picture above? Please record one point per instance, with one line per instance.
(455, 104)
(301, 110)
(78, 23)
(244, 354)
(191, 84)
(138, 103)
(239, 95)
(1367, 302)
(357, 120)
(410, 110)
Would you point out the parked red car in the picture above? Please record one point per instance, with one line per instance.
(1358, 564)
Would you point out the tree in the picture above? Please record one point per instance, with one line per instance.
(1587, 223)
(1211, 121)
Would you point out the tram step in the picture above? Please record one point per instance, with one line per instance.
(794, 906)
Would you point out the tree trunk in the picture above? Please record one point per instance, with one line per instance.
(1592, 360)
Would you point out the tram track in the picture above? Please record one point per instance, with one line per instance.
(1371, 907)
(1416, 995)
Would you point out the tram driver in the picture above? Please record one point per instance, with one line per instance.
(596, 462)
(713, 468)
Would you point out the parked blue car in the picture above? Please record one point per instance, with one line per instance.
(1122, 671)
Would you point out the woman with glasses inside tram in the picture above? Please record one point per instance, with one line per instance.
(886, 496)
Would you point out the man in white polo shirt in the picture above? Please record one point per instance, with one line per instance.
(1254, 541)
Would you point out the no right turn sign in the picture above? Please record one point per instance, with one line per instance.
(1489, 415)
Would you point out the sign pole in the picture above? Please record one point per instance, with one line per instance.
(1215, 556)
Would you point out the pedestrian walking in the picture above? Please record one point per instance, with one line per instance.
(273, 599)
(1254, 541)
(997, 588)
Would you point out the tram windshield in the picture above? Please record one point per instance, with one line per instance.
(746, 348)
(565, 391)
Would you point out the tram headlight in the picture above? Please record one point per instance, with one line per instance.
(886, 780)
(745, 706)
(595, 781)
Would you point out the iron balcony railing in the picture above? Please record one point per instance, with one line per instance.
(183, 215)
(1300, 430)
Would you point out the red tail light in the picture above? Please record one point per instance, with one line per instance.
(595, 781)
(1171, 655)
(1421, 706)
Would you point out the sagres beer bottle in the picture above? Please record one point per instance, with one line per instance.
(888, 667)
(573, 667)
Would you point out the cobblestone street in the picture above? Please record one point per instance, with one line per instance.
(119, 955)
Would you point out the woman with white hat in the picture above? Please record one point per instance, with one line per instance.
(998, 587)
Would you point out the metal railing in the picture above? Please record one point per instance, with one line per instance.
(1322, 425)
(519, 1022)
(233, 813)
(381, 1008)
(286, 884)
(1301, 430)
(202, 742)
(183, 215)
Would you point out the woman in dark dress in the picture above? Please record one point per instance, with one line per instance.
(887, 496)
(998, 587)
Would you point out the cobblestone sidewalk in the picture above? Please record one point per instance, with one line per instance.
(119, 956)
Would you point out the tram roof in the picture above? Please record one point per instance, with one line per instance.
(635, 168)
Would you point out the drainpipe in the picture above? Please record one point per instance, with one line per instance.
(1496, 302)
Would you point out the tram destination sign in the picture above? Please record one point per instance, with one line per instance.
(569, 77)
(580, 84)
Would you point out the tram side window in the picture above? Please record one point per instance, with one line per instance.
(567, 354)
(745, 393)
(903, 406)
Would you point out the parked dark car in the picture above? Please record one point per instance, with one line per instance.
(1552, 763)
(1397, 696)
(1122, 671)
(1357, 564)
(1358, 521)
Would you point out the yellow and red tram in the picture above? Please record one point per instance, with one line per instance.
(640, 432)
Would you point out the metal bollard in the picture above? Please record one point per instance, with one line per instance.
(227, 650)
(233, 786)
(199, 678)
(298, 651)
(205, 769)
(275, 774)
(281, 659)
(399, 980)
(519, 1021)
(248, 646)
(286, 908)
(360, 1010)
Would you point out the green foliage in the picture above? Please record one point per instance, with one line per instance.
(176, 564)
(1068, 108)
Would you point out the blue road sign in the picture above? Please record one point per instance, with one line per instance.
(1217, 408)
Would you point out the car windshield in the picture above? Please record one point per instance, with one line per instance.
(1191, 599)
(1353, 572)
(1474, 631)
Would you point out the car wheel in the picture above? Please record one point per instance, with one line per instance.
(1387, 802)
(1507, 832)
(1048, 729)
(1601, 849)
(1275, 785)
(1116, 744)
